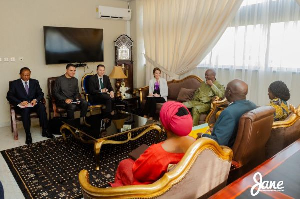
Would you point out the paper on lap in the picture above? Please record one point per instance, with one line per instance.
(202, 128)
(29, 105)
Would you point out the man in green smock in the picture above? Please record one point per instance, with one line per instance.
(202, 98)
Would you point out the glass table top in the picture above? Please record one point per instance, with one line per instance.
(105, 127)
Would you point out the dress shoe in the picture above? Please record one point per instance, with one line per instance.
(28, 139)
(47, 134)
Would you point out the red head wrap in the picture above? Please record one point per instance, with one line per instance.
(179, 125)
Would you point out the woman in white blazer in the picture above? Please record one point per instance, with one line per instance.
(158, 92)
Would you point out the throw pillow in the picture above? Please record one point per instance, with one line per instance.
(185, 94)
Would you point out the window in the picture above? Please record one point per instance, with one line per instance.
(264, 34)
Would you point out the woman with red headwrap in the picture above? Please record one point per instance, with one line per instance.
(153, 163)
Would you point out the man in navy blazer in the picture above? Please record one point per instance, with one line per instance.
(26, 95)
(100, 89)
(226, 126)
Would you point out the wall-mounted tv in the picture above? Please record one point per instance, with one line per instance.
(71, 45)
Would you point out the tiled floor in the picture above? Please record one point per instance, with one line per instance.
(11, 188)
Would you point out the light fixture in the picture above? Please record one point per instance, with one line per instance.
(118, 74)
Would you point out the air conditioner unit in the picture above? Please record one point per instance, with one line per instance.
(113, 13)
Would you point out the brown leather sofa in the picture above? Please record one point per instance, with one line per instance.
(284, 132)
(174, 86)
(205, 166)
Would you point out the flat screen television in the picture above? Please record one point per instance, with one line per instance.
(71, 45)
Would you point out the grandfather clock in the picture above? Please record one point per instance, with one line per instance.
(123, 50)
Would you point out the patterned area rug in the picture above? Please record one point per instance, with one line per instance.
(49, 169)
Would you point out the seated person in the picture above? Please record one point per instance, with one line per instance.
(226, 126)
(26, 95)
(153, 163)
(279, 94)
(100, 89)
(201, 101)
(67, 94)
(158, 92)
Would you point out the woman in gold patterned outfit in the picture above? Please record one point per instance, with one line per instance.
(279, 94)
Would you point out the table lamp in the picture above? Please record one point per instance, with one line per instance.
(118, 74)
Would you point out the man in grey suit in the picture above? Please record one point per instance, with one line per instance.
(225, 129)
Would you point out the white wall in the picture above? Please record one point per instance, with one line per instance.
(21, 35)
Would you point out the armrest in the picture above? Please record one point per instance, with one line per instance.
(217, 106)
(144, 91)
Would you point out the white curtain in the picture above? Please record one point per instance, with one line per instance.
(179, 33)
(261, 45)
(298, 1)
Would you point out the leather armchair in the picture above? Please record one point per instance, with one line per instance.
(284, 132)
(205, 166)
(249, 147)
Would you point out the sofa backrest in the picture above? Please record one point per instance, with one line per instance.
(189, 82)
(253, 133)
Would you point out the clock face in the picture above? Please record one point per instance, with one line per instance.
(123, 53)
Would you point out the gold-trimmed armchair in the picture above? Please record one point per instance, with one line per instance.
(284, 132)
(202, 171)
(85, 91)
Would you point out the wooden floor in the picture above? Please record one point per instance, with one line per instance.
(284, 166)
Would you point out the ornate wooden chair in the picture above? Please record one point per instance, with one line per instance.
(57, 111)
(205, 166)
(15, 116)
(85, 92)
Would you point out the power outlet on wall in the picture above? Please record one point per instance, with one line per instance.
(0, 59)
(6, 59)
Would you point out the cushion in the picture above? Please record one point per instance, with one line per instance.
(185, 94)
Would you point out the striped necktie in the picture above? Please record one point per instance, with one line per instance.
(26, 87)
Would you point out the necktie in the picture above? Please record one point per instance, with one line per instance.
(101, 83)
(26, 87)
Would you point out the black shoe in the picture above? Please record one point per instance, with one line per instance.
(28, 139)
(47, 134)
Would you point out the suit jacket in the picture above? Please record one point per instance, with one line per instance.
(94, 84)
(17, 93)
(225, 129)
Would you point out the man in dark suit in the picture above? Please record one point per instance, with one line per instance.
(226, 127)
(100, 89)
(26, 95)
